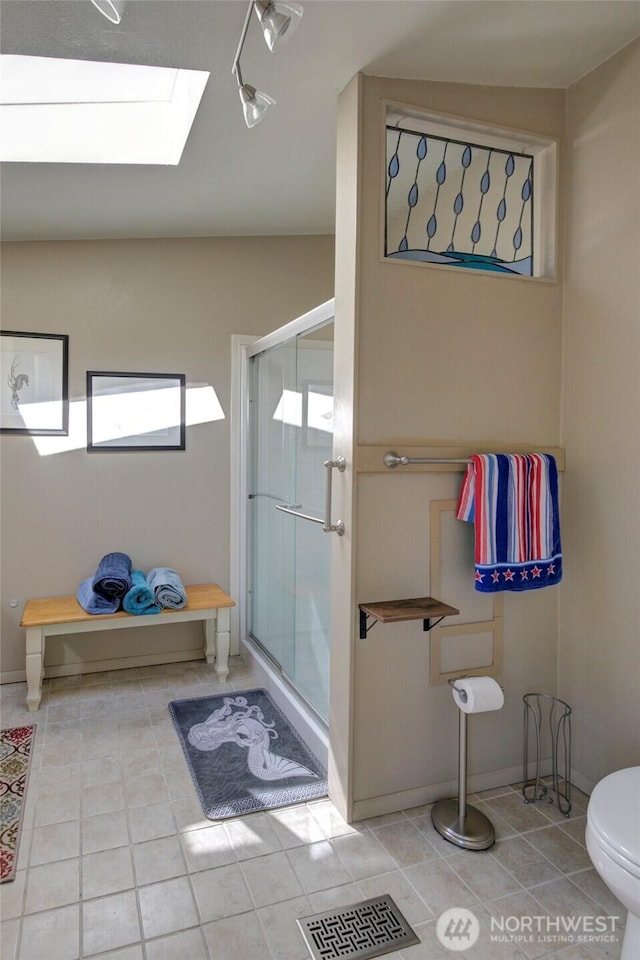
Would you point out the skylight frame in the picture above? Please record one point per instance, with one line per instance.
(80, 111)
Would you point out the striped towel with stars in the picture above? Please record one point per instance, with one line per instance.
(512, 501)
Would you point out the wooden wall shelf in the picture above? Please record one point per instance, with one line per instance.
(395, 611)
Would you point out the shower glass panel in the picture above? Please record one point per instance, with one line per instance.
(291, 435)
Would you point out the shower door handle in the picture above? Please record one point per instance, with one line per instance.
(329, 527)
(295, 513)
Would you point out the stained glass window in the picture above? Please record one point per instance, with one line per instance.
(457, 202)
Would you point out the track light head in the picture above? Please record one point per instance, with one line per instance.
(255, 104)
(278, 20)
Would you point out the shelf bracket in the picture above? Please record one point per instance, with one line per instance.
(427, 625)
(364, 629)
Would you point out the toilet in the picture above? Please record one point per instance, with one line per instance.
(613, 843)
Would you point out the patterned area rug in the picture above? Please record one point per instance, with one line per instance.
(244, 755)
(16, 746)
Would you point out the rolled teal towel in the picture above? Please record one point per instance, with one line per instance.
(168, 589)
(139, 600)
(92, 602)
(113, 576)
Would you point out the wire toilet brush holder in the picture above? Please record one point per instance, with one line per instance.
(558, 718)
(455, 819)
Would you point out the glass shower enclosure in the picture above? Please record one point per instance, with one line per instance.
(290, 438)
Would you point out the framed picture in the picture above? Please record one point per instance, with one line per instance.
(135, 411)
(34, 383)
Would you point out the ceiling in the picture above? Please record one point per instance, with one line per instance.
(279, 177)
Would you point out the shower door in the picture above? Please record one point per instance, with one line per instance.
(291, 436)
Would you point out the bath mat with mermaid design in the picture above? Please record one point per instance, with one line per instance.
(244, 755)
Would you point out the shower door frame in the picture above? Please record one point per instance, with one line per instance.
(244, 348)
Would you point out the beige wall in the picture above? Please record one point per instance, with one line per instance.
(441, 353)
(157, 306)
(599, 632)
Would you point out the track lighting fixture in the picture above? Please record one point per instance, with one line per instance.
(278, 21)
(111, 9)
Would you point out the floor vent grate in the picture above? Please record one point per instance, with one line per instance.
(358, 931)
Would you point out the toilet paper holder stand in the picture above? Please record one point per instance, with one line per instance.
(455, 819)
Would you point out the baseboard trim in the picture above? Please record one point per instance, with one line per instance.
(13, 676)
(377, 806)
(103, 666)
(586, 784)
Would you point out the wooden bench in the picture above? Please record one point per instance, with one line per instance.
(61, 615)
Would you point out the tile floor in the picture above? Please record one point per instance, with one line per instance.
(117, 861)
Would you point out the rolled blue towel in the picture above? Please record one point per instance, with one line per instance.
(92, 602)
(168, 589)
(113, 576)
(139, 600)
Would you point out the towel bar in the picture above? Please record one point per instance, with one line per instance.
(440, 456)
(392, 460)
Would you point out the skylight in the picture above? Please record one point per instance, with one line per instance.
(80, 111)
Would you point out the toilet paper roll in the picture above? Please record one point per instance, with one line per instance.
(477, 694)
